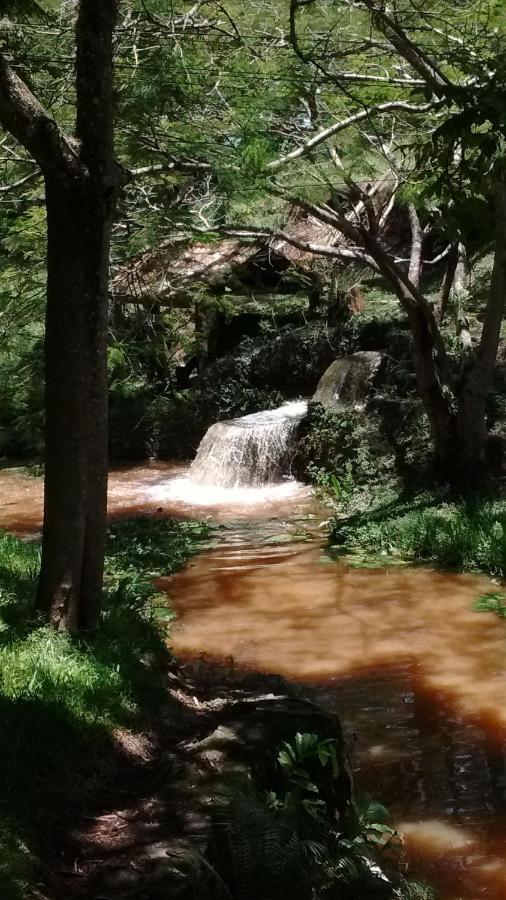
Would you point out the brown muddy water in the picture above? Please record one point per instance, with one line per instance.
(417, 677)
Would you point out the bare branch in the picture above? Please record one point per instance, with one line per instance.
(326, 133)
(415, 260)
(380, 79)
(333, 251)
(7, 188)
(182, 166)
(389, 207)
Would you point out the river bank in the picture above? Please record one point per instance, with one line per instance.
(396, 653)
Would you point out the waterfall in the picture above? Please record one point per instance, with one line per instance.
(242, 465)
(248, 452)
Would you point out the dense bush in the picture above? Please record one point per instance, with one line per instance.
(344, 443)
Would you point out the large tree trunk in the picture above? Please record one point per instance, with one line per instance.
(79, 219)
(80, 201)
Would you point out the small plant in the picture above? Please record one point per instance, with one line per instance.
(305, 747)
(492, 601)
(287, 845)
(297, 760)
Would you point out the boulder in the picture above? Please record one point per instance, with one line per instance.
(348, 380)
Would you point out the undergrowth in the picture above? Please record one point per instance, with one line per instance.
(63, 698)
(465, 534)
(290, 844)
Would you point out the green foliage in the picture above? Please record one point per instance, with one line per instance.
(22, 395)
(14, 865)
(74, 693)
(458, 535)
(344, 445)
(492, 601)
(296, 759)
(304, 747)
(278, 846)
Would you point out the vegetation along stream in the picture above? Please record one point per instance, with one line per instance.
(252, 450)
(414, 673)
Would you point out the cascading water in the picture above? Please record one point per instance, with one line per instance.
(248, 452)
(242, 461)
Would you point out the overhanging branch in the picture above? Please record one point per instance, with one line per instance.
(180, 166)
(26, 119)
(332, 251)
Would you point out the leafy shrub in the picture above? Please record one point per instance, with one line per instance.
(343, 443)
(289, 845)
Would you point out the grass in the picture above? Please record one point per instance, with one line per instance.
(465, 535)
(63, 698)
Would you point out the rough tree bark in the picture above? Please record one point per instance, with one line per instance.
(82, 179)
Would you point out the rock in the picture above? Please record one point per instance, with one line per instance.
(348, 380)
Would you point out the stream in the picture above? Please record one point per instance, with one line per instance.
(416, 676)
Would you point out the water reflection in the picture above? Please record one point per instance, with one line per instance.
(417, 676)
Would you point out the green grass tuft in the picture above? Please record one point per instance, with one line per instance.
(459, 535)
(62, 697)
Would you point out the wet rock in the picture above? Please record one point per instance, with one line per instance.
(348, 380)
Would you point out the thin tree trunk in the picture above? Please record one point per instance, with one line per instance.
(476, 379)
(432, 366)
(447, 284)
(435, 392)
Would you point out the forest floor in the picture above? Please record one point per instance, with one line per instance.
(146, 833)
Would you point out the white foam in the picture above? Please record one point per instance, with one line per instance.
(250, 452)
(184, 490)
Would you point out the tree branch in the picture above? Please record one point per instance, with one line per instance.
(411, 298)
(415, 259)
(380, 79)
(326, 133)
(413, 54)
(181, 166)
(7, 188)
(446, 286)
(328, 250)
(26, 119)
